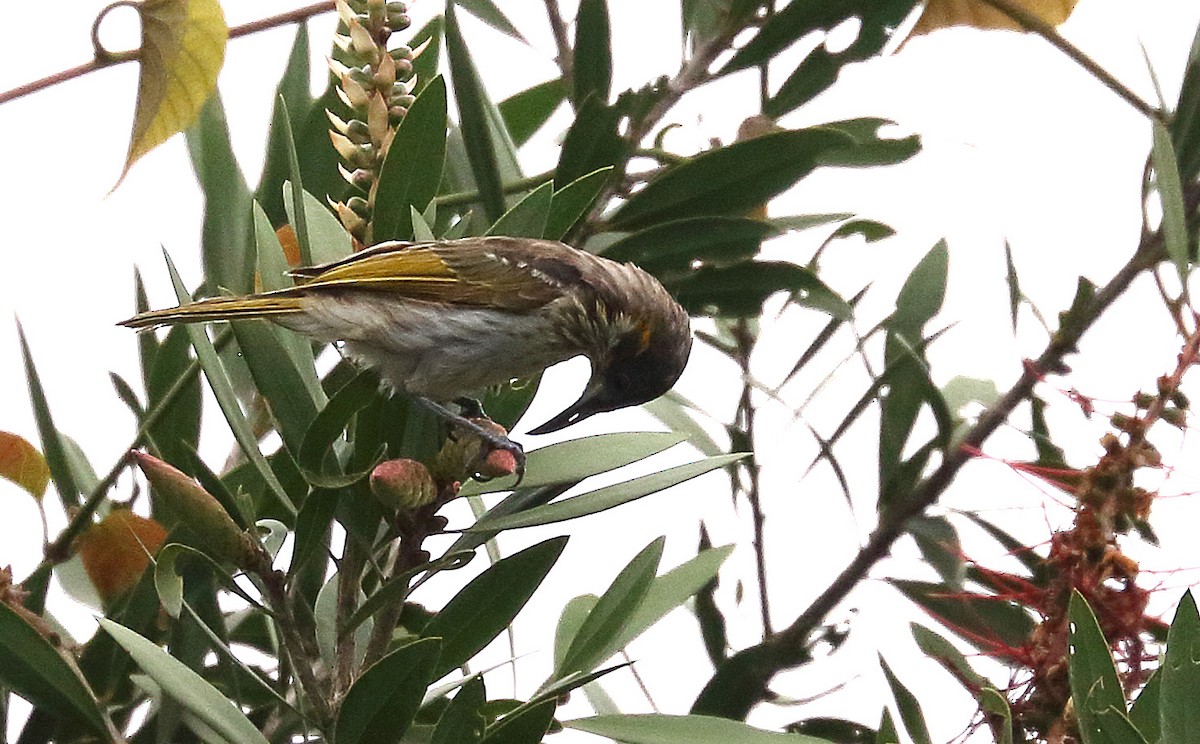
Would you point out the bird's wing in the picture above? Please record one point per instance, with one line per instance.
(484, 272)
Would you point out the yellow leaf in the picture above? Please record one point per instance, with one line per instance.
(183, 46)
(117, 549)
(22, 464)
(945, 13)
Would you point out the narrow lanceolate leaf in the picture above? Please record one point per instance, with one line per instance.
(382, 702)
(572, 202)
(183, 46)
(185, 687)
(655, 728)
(593, 52)
(488, 604)
(906, 702)
(53, 442)
(605, 498)
(599, 636)
(1095, 687)
(524, 113)
(527, 218)
(472, 107)
(227, 400)
(488, 12)
(1170, 190)
(21, 463)
(413, 167)
(576, 459)
(1180, 688)
(733, 179)
(34, 669)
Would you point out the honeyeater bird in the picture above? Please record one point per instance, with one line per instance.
(441, 320)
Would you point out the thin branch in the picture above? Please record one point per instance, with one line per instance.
(108, 59)
(460, 198)
(558, 28)
(745, 420)
(755, 666)
(1035, 24)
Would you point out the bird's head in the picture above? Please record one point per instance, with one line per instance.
(648, 342)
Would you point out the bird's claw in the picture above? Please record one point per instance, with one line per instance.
(502, 456)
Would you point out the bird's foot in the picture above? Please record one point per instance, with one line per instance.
(497, 456)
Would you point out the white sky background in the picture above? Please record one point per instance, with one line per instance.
(1019, 144)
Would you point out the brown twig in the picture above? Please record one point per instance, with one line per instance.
(744, 418)
(350, 571)
(108, 59)
(558, 28)
(755, 666)
(1032, 22)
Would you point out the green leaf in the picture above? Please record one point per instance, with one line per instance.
(592, 142)
(942, 651)
(1185, 123)
(907, 377)
(1144, 713)
(819, 70)
(887, 730)
(592, 65)
(676, 247)
(327, 239)
(488, 604)
(527, 218)
(281, 384)
(488, 12)
(524, 727)
(53, 442)
(604, 498)
(327, 427)
(1095, 685)
(426, 66)
(526, 112)
(1014, 286)
(983, 621)
(940, 547)
(293, 100)
(1170, 191)
(731, 180)
(396, 588)
(186, 687)
(226, 399)
(34, 669)
(992, 701)
(182, 50)
(868, 149)
(574, 613)
(412, 169)
(739, 291)
(380, 705)
(573, 460)
(225, 235)
(1180, 687)
(462, 722)
(656, 728)
(601, 634)
(670, 591)
(573, 201)
(473, 120)
(910, 709)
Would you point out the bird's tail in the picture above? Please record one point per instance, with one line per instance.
(219, 308)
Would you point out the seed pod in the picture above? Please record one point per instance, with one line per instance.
(220, 537)
(403, 484)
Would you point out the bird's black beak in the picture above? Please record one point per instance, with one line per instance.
(590, 403)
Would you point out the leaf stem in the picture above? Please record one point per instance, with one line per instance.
(558, 28)
(459, 198)
(105, 58)
(1043, 29)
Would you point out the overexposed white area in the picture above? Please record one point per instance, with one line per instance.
(1019, 145)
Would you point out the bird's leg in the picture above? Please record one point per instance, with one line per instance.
(470, 407)
(491, 438)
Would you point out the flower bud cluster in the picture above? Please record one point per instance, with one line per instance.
(376, 84)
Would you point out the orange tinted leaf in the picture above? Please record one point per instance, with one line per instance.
(945, 13)
(117, 549)
(183, 46)
(21, 463)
